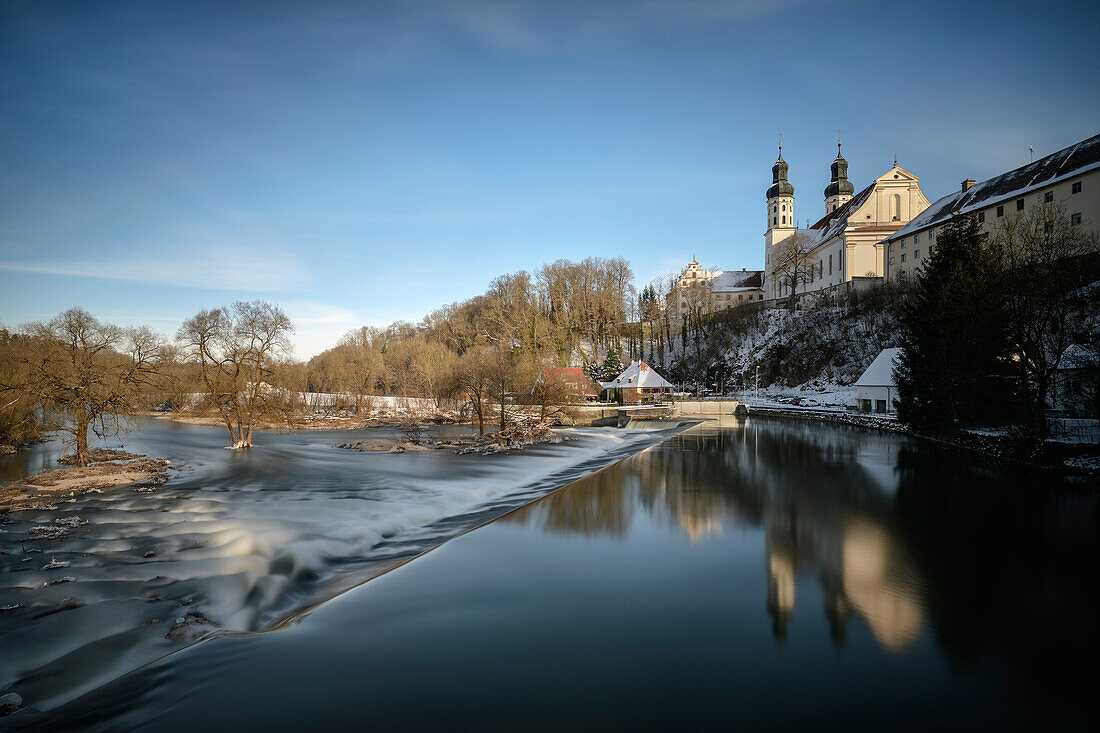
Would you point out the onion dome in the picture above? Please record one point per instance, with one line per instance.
(840, 185)
(780, 185)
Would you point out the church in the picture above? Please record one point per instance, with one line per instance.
(844, 247)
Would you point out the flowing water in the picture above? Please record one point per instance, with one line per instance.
(237, 540)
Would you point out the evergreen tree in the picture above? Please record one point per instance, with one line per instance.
(594, 371)
(954, 366)
(612, 364)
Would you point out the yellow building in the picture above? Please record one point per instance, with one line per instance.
(1070, 177)
(846, 245)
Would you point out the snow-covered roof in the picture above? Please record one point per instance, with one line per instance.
(881, 371)
(1072, 161)
(735, 280)
(638, 374)
(1080, 356)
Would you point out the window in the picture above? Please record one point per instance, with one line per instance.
(1048, 197)
(916, 254)
(784, 207)
(981, 216)
(903, 258)
(931, 233)
(931, 249)
(784, 220)
(897, 207)
(775, 209)
(1019, 204)
(774, 220)
(830, 264)
(1075, 188)
(1075, 219)
(916, 237)
(903, 244)
(1000, 211)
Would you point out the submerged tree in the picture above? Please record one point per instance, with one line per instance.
(239, 351)
(955, 363)
(88, 375)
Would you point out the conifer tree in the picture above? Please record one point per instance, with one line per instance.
(954, 366)
(612, 364)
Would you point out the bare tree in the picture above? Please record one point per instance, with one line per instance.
(1042, 254)
(238, 350)
(89, 375)
(793, 264)
(472, 380)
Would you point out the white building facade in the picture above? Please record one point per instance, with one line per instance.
(845, 244)
(1070, 177)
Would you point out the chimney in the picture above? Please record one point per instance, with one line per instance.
(967, 184)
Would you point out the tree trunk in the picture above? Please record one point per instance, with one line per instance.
(82, 441)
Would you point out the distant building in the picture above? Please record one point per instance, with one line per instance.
(577, 386)
(1070, 176)
(701, 292)
(847, 243)
(876, 390)
(638, 384)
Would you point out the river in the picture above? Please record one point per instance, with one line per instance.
(767, 573)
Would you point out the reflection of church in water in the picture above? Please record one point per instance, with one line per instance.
(825, 515)
(862, 571)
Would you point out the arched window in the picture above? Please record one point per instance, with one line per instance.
(774, 221)
(897, 207)
(784, 207)
(784, 220)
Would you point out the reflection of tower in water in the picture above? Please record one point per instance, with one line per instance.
(780, 590)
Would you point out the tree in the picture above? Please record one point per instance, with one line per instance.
(793, 264)
(612, 364)
(239, 350)
(20, 416)
(954, 366)
(472, 380)
(1042, 254)
(89, 375)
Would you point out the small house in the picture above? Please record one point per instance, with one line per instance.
(1075, 389)
(575, 385)
(876, 390)
(638, 384)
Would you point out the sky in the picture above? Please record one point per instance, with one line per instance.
(366, 162)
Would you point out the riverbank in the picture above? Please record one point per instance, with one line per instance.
(104, 470)
(715, 576)
(1076, 460)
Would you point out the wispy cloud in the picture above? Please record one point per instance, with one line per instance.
(232, 267)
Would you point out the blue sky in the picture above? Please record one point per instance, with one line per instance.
(366, 162)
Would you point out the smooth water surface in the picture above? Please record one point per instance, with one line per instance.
(237, 540)
(770, 574)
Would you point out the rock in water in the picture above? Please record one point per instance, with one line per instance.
(9, 703)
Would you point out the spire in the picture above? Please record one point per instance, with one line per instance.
(839, 184)
(780, 186)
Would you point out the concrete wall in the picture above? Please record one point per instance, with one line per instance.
(707, 407)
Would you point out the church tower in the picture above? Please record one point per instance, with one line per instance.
(780, 198)
(840, 189)
(780, 219)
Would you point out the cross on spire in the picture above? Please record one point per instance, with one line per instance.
(780, 142)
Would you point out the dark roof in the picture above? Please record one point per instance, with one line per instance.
(1077, 158)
